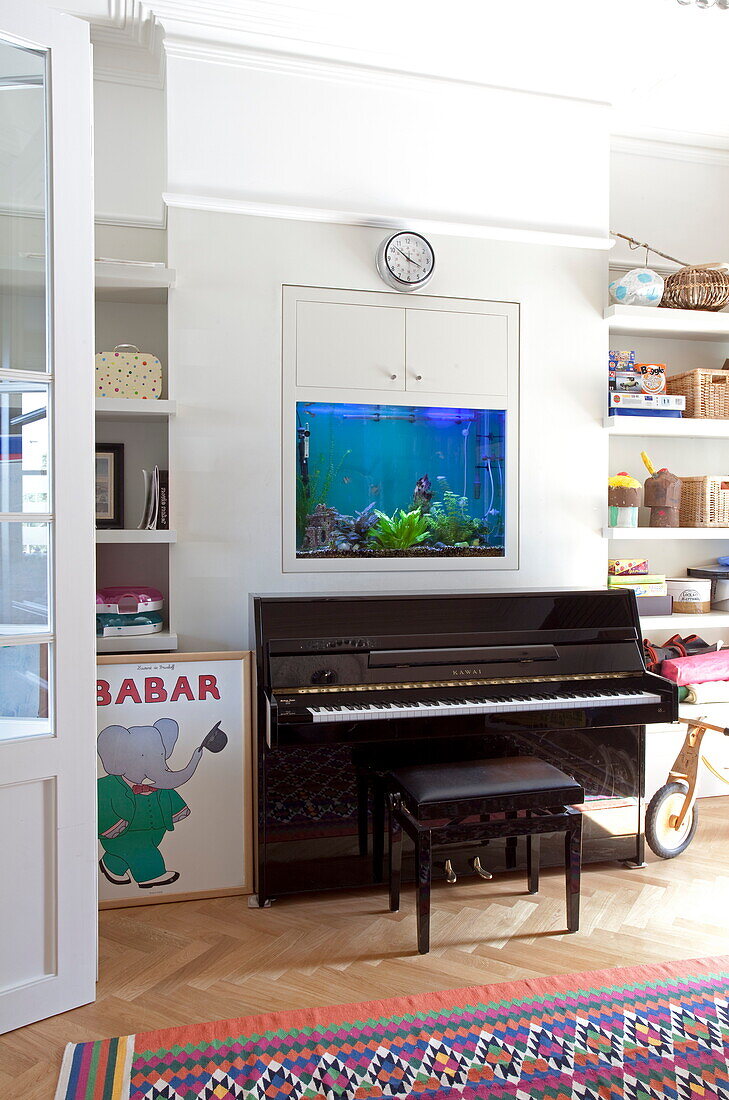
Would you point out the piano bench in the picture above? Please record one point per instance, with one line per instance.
(434, 802)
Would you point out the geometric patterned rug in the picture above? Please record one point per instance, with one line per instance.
(641, 1033)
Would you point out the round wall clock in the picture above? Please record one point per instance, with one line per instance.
(405, 261)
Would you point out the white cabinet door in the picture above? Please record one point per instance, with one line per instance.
(449, 352)
(47, 646)
(350, 347)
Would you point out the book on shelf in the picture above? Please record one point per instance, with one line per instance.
(646, 404)
(630, 580)
(163, 516)
(156, 515)
(643, 589)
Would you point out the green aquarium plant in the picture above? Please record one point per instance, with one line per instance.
(401, 530)
(451, 523)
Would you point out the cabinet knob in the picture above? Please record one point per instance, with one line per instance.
(393, 378)
(418, 378)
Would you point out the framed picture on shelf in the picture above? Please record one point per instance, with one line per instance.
(110, 485)
(174, 777)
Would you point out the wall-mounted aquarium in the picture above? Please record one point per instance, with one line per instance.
(393, 481)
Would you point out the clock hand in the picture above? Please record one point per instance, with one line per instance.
(406, 257)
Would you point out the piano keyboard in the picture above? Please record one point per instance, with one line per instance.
(494, 705)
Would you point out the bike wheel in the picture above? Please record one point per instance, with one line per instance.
(664, 840)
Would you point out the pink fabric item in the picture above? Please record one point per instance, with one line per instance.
(703, 668)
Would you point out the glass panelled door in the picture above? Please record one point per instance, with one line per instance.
(24, 548)
(47, 859)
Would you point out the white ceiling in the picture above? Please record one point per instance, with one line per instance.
(660, 64)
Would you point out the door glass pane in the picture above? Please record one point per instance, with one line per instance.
(24, 447)
(24, 690)
(23, 206)
(24, 577)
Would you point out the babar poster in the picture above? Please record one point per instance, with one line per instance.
(173, 776)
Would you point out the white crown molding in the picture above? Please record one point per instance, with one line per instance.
(319, 38)
(127, 221)
(179, 44)
(125, 65)
(683, 145)
(315, 33)
(127, 40)
(551, 238)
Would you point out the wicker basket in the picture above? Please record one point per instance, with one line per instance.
(705, 501)
(697, 288)
(706, 392)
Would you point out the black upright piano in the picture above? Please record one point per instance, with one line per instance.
(348, 685)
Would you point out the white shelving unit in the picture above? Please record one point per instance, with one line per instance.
(665, 534)
(680, 624)
(118, 534)
(683, 339)
(675, 323)
(121, 408)
(141, 643)
(133, 275)
(131, 302)
(110, 276)
(668, 428)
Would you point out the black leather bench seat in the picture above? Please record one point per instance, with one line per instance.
(493, 778)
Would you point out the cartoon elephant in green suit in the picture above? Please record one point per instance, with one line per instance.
(134, 815)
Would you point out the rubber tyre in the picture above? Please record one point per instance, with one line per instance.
(656, 830)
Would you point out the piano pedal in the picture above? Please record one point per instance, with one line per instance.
(480, 871)
(451, 876)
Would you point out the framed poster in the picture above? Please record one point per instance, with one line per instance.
(110, 485)
(175, 814)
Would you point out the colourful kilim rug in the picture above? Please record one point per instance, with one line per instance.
(645, 1033)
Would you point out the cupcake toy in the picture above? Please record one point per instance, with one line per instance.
(623, 500)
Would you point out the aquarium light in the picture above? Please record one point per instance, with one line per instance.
(395, 412)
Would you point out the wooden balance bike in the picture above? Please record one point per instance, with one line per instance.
(672, 815)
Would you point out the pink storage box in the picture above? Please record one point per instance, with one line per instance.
(703, 668)
(118, 600)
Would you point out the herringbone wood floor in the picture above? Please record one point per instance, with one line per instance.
(165, 965)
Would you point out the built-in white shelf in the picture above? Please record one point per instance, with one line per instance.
(679, 623)
(134, 408)
(113, 279)
(143, 276)
(139, 643)
(116, 534)
(623, 534)
(684, 428)
(145, 283)
(697, 324)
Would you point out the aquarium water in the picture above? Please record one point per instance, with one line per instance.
(393, 480)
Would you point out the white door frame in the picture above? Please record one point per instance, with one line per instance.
(66, 759)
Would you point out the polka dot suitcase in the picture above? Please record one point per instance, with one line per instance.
(128, 372)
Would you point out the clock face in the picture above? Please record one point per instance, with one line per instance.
(405, 261)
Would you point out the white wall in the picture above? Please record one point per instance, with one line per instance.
(264, 129)
(129, 153)
(680, 206)
(226, 378)
(253, 130)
